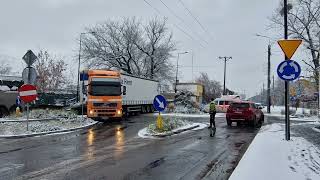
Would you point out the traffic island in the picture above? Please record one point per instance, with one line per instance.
(43, 122)
(171, 126)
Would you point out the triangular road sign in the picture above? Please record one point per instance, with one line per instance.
(289, 46)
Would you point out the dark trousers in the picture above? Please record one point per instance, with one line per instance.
(212, 122)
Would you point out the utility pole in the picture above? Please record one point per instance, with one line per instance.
(286, 102)
(269, 81)
(225, 58)
(273, 91)
(175, 87)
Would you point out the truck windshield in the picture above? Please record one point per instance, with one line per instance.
(106, 90)
(105, 87)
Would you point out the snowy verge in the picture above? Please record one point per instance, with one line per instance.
(16, 129)
(271, 157)
(191, 115)
(48, 132)
(144, 133)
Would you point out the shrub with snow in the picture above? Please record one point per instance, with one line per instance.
(169, 124)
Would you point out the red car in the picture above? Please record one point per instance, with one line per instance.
(245, 111)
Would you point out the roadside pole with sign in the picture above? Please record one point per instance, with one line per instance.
(288, 70)
(160, 104)
(28, 92)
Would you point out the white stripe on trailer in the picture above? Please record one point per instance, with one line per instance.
(28, 93)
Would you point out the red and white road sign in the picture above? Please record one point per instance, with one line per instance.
(28, 93)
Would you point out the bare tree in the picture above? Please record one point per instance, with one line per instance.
(4, 68)
(212, 88)
(129, 46)
(304, 23)
(50, 71)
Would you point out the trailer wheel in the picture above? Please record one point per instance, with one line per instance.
(148, 109)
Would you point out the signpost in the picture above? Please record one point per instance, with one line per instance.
(288, 70)
(160, 104)
(28, 93)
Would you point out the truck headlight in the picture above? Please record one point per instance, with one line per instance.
(91, 112)
(119, 112)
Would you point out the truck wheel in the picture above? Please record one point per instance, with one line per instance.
(148, 109)
(3, 112)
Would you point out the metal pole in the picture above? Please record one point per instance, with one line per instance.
(273, 91)
(269, 81)
(27, 116)
(224, 79)
(287, 110)
(192, 64)
(175, 87)
(79, 58)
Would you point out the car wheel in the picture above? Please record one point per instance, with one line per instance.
(229, 122)
(262, 119)
(254, 122)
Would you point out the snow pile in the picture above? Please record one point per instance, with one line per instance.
(271, 157)
(170, 126)
(64, 120)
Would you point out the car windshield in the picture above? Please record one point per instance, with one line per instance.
(240, 105)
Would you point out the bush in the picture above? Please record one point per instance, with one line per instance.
(168, 125)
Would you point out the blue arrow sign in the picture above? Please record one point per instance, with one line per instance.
(289, 70)
(159, 103)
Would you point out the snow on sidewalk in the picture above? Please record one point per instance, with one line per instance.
(271, 157)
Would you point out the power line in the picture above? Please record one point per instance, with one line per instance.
(178, 17)
(184, 32)
(194, 17)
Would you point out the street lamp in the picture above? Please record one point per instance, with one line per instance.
(269, 80)
(79, 58)
(175, 87)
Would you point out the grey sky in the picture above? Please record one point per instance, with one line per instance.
(56, 24)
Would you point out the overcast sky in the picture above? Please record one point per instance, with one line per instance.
(230, 28)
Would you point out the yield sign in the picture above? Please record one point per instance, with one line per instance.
(289, 46)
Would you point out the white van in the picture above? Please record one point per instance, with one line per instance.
(223, 103)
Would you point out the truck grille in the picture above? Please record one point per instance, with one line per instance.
(106, 104)
(106, 111)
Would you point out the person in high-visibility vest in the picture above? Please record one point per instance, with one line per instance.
(212, 112)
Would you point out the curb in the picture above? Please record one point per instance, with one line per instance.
(30, 120)
(176, 132)
(46, 133)
(316, 129)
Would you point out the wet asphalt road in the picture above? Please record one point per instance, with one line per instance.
(114, 151)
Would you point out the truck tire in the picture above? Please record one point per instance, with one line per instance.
(3, 112)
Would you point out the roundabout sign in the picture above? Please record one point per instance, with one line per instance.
(289, 70)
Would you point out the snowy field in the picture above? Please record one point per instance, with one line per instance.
(301, 114)
(63, 121)
(271, 157)
(191, 115)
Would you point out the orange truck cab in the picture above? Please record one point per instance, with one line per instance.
(104, 94)
(111, 94)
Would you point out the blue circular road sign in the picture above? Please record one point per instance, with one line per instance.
(289, 70)
(159, 103)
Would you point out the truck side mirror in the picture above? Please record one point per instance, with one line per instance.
(124, 90)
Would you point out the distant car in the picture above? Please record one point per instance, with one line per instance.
(259, 105)
(246, 112)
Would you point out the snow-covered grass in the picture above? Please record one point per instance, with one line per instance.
(271, 157)
(279, 110)
(169, 124)
(64, 120)
(206, 115)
